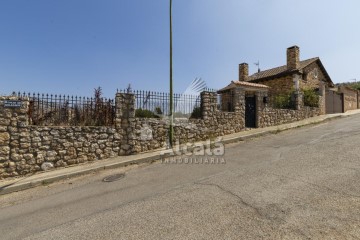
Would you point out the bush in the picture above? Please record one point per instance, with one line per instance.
(355, 86)
(283, 101)
(196, 113)
(144, 113)
(311, 98)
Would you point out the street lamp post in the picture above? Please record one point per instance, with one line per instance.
(171, 129)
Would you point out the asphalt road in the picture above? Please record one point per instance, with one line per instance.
(298, 184)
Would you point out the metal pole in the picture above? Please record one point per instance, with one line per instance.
(171, 130)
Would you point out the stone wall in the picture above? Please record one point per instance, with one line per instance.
(24, 148)
(13, 136)
(272, 117)
(151, 134)
(268, 116)
(350, 98)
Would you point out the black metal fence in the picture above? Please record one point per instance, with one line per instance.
(65, 110)
(62, 110)
(158, 102)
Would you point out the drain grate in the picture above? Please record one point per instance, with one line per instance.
(113, 178)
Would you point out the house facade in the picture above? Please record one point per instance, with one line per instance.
(296, 74)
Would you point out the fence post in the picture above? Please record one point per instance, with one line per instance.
(125, 121)
(14, 135)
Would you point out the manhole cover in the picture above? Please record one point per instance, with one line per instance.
(113, 178)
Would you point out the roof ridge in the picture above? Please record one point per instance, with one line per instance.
(280, 70)
(270, 69)
(302, 61)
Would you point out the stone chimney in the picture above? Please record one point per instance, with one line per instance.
(293, 58)
(243, 71)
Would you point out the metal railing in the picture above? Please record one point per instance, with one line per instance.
(65, 110)
(226, 102)
(158, 102)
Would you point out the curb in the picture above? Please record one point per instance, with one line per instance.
(13, 187)
(26, 185)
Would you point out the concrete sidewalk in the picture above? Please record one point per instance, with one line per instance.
(22, 183)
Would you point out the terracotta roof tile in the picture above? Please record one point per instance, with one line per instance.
(250, 84)
(233, 84)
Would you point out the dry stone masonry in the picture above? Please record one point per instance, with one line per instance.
(26, 149)
(148, 134)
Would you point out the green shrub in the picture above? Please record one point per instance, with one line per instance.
(196, 113)
(283, 101)
(144, 113)
(355, 86)
(311, 98)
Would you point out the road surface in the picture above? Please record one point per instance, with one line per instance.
(298, 184)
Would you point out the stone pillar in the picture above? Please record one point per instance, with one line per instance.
(125, 121)
(14, 137)
(239, 105)
(5, 119)
(239, 100)
(298, 99)
(261, 96)
(208, 104)
(322, 98)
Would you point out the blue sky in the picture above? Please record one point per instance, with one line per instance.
(73, 46)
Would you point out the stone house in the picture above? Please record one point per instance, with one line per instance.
(299, 75)
(309, 73)
(294, 77)
(253, 99)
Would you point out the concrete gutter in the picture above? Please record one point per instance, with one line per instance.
(42, 178)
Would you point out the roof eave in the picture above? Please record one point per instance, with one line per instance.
(325, 73)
